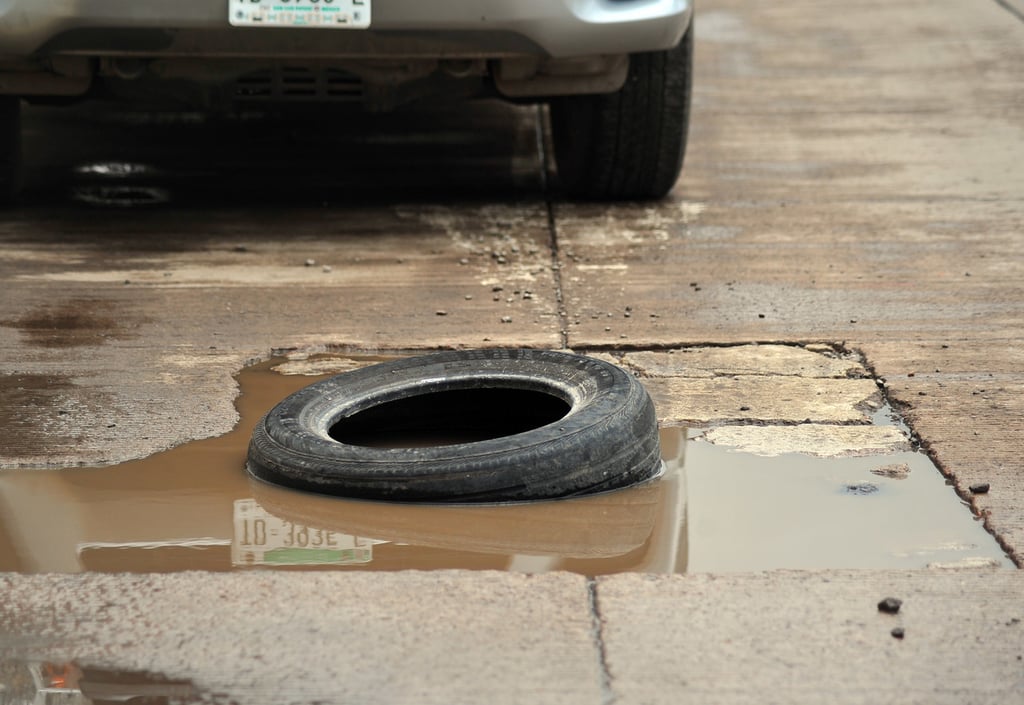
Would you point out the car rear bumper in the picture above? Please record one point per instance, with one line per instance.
(442, 28)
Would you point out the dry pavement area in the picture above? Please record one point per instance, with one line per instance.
(853, 185)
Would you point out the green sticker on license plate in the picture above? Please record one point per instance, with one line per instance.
(328, 14)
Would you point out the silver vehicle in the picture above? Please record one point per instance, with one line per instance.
(616, 73)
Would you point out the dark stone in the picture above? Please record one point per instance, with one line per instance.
(979, 488)
(890, 605)
(897, 632)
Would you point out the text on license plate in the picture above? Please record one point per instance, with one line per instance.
(336, 14)
(264, 539)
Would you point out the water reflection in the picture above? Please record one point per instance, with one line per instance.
(47, 683)
(194, 508)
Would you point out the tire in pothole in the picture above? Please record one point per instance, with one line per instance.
(463, 426)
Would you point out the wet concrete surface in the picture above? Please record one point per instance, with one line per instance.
(852, 188)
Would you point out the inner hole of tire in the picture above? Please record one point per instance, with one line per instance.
(450, 417)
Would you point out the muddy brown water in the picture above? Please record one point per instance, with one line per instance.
(195, 508)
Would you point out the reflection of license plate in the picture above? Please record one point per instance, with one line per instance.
(337, 14)
(263, 539)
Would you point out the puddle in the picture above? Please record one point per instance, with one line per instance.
(714, 509)
(35, 682)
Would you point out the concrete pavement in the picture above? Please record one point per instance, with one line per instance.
(853, 181)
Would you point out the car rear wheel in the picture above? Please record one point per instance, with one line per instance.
(10, 147)
(629, 144)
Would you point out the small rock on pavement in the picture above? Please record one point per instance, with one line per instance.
(898, 632)
(979, 488)
(890, 605)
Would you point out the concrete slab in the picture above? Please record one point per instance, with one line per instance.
(786, 637)
(115, 346)
(870, 196)
(444, 637)
(850, 178)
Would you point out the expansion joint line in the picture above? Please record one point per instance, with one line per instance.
(544, 158)
(1016, 12)
(597, 632)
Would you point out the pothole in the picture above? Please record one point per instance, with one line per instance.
(739, 503)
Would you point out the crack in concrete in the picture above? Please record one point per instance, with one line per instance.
(922, 445)
(556, 264)
(1011, 9)
(608, 696)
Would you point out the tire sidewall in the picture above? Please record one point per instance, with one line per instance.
(610, 425)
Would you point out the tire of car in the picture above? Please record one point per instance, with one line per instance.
(10, 148)
(540, 425)
(627, 145)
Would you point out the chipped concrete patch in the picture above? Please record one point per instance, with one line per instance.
(823, 441)
(690, 401)
(323, 364)
(788, 360)
(761, 384)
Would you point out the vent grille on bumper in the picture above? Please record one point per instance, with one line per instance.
(299, 85)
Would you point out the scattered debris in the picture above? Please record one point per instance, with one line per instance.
(310, 262)
(979, 488)
(897, 632)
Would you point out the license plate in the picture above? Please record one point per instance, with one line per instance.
(334, 14)
(264, 539)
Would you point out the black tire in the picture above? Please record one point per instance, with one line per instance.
(10, 148)
(607, 438)
(627, 145)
